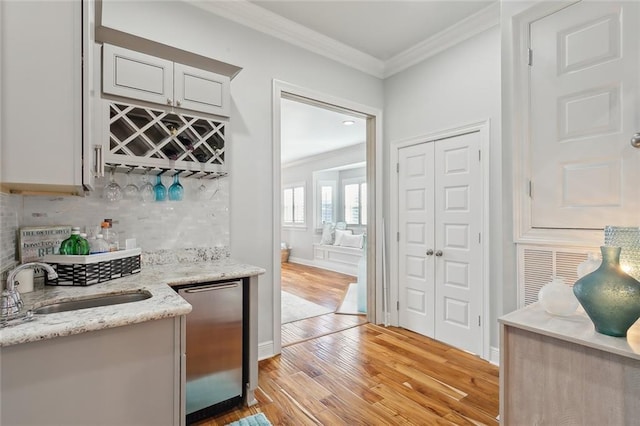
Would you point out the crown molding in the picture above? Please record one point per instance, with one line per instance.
(463, 30)
(265, 21)
(248, 14)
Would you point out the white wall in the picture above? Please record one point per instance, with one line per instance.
(456, 87)
(301, 240)
(263, 59)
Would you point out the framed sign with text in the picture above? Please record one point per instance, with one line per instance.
(35, 242)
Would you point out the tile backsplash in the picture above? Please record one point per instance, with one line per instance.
(10, 213)
(201, 220)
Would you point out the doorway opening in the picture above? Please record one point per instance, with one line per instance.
(325, 273)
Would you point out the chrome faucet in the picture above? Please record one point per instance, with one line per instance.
(11, 302)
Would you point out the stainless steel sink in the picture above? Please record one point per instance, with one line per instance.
(92, 302)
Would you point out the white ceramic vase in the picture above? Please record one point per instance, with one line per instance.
(557, 298)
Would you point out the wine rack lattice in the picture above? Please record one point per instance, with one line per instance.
(152, 138)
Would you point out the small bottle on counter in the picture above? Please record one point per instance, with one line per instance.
(109, 235)
(75, 244)
(99, 245)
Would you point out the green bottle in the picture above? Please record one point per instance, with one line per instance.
(75, 244)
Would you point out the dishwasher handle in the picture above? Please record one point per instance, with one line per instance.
(211, 287)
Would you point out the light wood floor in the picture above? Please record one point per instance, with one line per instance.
(326, 288)
(369, 375)
(372, 375)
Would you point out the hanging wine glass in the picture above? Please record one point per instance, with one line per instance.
(159, 189)
(176, 191)
(146, 190)
(113, 191)
(130, 191)
(202, 190)
(215, 192)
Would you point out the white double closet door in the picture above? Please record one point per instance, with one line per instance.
(440, 250)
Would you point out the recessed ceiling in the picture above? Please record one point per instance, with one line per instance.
(308, 130)
(382, 29)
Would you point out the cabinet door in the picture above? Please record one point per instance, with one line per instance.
(41, 95)
(136, 75)
(201, 90)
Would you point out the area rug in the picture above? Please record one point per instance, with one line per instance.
(349, 305)
(256, 420)
(295, 308)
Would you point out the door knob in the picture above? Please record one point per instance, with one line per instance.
(635, 140)
(439, 253)
(430, 252)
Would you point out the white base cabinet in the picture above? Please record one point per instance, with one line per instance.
(126, 375)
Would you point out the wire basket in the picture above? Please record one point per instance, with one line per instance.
(93, 269)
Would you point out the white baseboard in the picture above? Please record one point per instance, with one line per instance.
(265, 350)
(494, 355)
(301, 261)
(347, 270)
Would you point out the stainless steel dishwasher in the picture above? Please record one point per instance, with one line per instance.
(214, 347)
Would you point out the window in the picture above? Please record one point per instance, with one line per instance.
(326, 204)
(293, 205)
(355, 203)
(324, 200)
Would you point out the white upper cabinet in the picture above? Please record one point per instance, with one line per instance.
(136, 75)
(42, 99)
(201, 90)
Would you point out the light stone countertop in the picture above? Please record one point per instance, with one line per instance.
(576, 328)
(156, 279)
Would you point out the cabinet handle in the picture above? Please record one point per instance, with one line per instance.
(439, 253)
(211, 288)
(99, 161)
(430, 252)
(178, 103)
(169, 101)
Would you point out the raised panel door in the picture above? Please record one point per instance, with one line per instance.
(584, 96)
(458, 220)
(201, 90)
(440, 268)
(416, 280)
(136, 75)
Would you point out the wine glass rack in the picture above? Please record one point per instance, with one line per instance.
(143, 139)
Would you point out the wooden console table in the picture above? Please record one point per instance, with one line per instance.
(559, 370)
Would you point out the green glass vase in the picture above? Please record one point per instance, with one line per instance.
(610, 297)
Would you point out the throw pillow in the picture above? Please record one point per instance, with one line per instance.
(352, 241)
(327, 234)
(340, 234)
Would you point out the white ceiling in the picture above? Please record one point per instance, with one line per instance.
(308, 130)
(379, 37)
(382, 28)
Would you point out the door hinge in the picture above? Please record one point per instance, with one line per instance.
(530, 189)
(478, 320)
(398, 305)
(397, 167)
(479, 155)
(398, 236)
(479, 237)
(530, 57)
